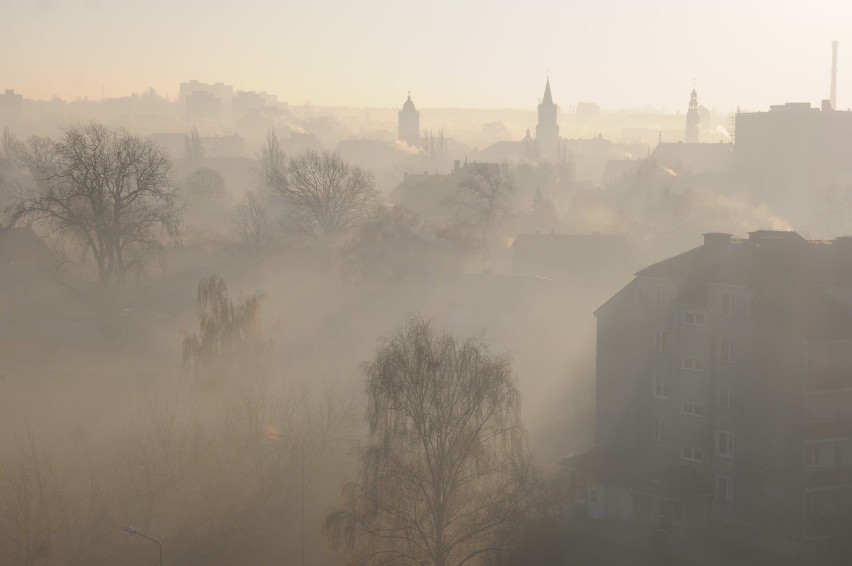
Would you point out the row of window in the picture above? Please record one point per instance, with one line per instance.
(829, 454)
(661, 298)
(833, 406)
(726, 351)
(724, 444)
(724, 395)
(830, 503)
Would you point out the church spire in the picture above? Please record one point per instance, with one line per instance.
(548, 98)
(693, 118)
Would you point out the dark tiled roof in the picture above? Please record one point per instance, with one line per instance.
(674, 267)
(793, 280)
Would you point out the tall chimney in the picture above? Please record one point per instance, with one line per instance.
(833, 75)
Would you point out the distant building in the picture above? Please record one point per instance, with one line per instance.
(202, 106)
(724, 393)
(409, 123)
(224, 146)
(693, 119)
(789, 156)
(11, 104)
(224, 93)
(245, 103)
(588, 110)
(547, 130)
(429, 194)
(173, 143)
(509, 150)
(695, 158)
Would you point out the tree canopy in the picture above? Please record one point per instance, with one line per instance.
(446, 477)
(106, 192)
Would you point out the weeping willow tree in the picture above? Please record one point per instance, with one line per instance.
(446, 477)
(230, 339)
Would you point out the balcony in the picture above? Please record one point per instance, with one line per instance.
(840, 428)
(822, 478)
(828, 380)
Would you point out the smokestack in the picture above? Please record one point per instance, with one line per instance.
(833, 75)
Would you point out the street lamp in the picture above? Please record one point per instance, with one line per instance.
(273, 434)
(131, 531)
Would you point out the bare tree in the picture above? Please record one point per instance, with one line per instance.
(446, 477)
(51, 511)
(229, 339)
(273, 163)
(194, 148)
(104, 192)
(396, 247)
(329, 194)
(252, 224)
(483, 198)
(203, 184)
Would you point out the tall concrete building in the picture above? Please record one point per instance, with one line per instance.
(792, 157)
(408, 128)
(724, 393)
(693, 119)
(547, 130)
(11, 104)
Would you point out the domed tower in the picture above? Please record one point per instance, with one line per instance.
(693, 119)
(408, 129)
(547, 130)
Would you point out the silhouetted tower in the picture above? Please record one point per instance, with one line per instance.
(547, 130)
(409, 123)
(693, 118)
(833, 98)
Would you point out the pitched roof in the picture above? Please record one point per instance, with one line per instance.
(798, 282)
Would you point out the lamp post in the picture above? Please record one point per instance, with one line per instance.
(273, 434)
(128, 530)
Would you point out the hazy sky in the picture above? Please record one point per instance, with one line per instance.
(618, 53)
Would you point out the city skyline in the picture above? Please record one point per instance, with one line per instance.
(615, 54)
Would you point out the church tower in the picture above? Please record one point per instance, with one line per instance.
(547, 130)
(693, 119)
(408, 129)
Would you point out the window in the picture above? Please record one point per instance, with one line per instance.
(662, 344)
(695, 318)
(661, 386)
(727, 303)
(661, 297)
(640, 296)
(821, 502)
(820, 454)
(726, 350)
(821, 357)
(693, 364)
(659, 430)
(725, 396)
(694, 409)
(823, 407)
(724, 443)
(691, 454)
(724, 491)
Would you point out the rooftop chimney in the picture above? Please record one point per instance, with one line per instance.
(833, 75)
